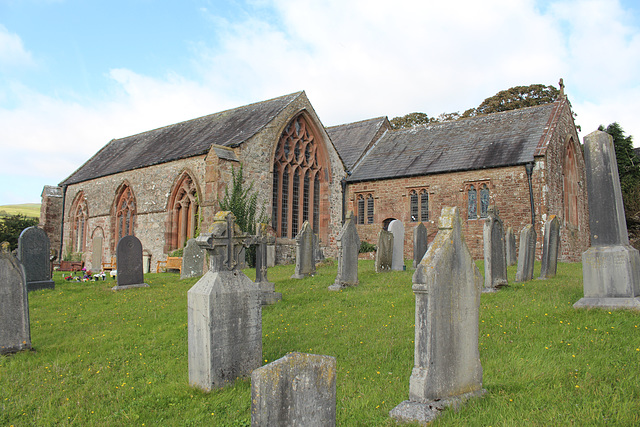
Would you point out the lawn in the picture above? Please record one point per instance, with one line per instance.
(120, 358)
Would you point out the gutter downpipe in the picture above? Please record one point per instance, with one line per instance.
(64, 196)
(529, 168)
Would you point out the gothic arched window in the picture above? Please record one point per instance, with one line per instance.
(125, 213)
(183, 211)
(570, 185)
(79, 217)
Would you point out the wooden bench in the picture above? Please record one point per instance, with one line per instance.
(71, 265)
(172, 263)
(109, 266)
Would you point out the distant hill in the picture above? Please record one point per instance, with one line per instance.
(28, 209)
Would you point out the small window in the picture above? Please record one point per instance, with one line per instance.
(484, 201)
(473, 203)
(413, 208)
(369, 209)
(424, 206)
(360, 209)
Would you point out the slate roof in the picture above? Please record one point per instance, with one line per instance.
(182, 140)
(495, 140)
(353, 139)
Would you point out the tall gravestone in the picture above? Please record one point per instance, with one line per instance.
(527, 255)
(384, 251)
(296, 390)
(129, 261)
(510, 246)
(305, 253)
(397, 229)
(33, 253)
(96, 254)
(224, 312)
(550, 246)
(420, 243)
(447, 286)
(495, 259)
(611, 266)
(15, 330)
(267, 288)
(348, 249)
(193, 260)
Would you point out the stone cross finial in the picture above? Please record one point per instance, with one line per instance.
(561, 84)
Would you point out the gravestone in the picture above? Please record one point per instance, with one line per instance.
(384, 251)
(527, 255)
(611, 266)
(447, 286)
(224, 312)
(397, 229)
(495, 259)
(296, 390)
(317, 250)
(96, 256)
(550, 246)
(348, 249)
(267, 288)
(33, 253)
(193, 260)
(420, 243)
(510, 247)
(129, 261)
(305, 253)
(15, 330)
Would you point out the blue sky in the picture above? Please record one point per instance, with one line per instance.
(76, 74)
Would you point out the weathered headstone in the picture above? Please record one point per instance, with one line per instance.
(305, 253)
(317, 250)
(495, 260)
(527, 255)
(447, 285)
(193, 260)
(510, 246)
(397, 229)
(15, 330)
(96, 256)
(611, 266)
(348, 249)
(296, 390)
(129, 261)
(33, 253)
(420, 243)
(224, 312)
(550, 246)
(268, 289)
(384, 251)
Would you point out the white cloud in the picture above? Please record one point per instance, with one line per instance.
(12, 51)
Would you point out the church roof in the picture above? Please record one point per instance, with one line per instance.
(353, 139)
(194, 137)
(496, 140)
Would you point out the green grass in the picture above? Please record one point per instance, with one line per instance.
(28, 209)
(105, 358)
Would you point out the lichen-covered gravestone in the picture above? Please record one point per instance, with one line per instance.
(420, 243)
(510, 246)
(33, 253)
(384, 251)
(527, 255)
(447, 286)
(224, 312)
(193, 260)
(550, 246)
(296, 390)
(268, 289)
(348, 249)
(305, 253)
(129, 261)
(397, 229)
(15, 330)
(611, 266)
(495, 260)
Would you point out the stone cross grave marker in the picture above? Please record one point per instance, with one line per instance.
(348, 249)
(397, 229)
(33, 253)
(193, 260)
(611, 266)
(495, 260)
(305, 253)
(510, 246)
(129, 261)
(224, 312)
(550, 246)
(268, 289)
(527, 255)
(384, 251)
(447, 286)
(420, 243)
(15, 329)
(298, 389)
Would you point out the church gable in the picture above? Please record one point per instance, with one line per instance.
(352, 140)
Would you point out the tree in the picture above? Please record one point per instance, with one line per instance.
(12, 225)
(411, 120)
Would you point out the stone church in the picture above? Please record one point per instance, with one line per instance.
(165, 185)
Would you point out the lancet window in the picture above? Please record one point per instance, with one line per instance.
(364, 208)
(79, 217)
(125, 213)
(419, 205)
(184, 212)
(478, 207)
(570, 185)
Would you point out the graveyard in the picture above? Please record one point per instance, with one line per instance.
(121, 358)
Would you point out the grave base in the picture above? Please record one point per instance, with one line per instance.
(43, 284)
(337, 286)
(138, 285)
(300, 276)
(610, 303)
(269, 298)
(423, 413)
